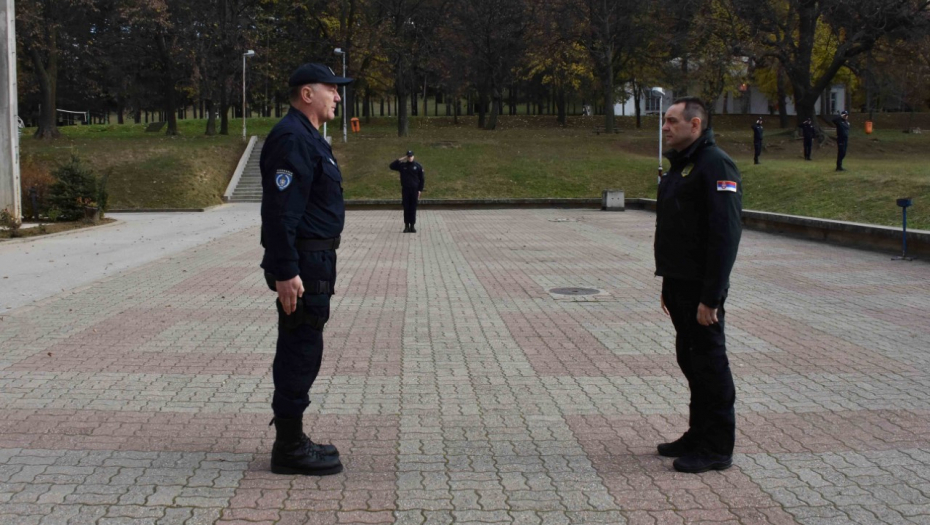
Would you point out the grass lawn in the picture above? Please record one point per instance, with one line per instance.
(527, 157)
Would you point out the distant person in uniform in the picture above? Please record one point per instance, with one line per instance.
(842, 138)
(698, 230)
(757, 140)
(303, 214)
(807, 132)
(412, 180)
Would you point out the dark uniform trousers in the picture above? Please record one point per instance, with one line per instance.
(808, 143)
(702, 356)
(757, 146)
(300, 349)
(409, 196)
(841, 145)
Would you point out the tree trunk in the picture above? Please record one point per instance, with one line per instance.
(637, 100)
(782, 99)
(224, 110)
(425, 108)
(560, 104)
(608, 83)
(47, 75)
(495, 109)
(482, 109)
(211, 118)
(170, 94)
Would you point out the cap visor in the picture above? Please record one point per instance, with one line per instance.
(339, 81)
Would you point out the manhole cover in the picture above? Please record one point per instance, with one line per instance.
(575, 291)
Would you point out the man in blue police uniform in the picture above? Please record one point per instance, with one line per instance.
(842, 138)
(412, 180)
(807, 132)
(698, 230)
(303, 214)
(757, 139)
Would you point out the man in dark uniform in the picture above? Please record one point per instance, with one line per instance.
(842, 138)
(411, 185)
(303, 214)
(807, 132)
(757, 139)
(698, 230)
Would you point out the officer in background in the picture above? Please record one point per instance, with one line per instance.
(757, 139)
(842, 138)
(412, 180)
(303, 214)
(698, 230)
(807, 132)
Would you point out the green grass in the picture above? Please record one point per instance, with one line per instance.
(527, 157)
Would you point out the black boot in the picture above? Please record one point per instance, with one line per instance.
(412, 229)
(294, 453)
(702, 460)
(677, 448)
(406, 227)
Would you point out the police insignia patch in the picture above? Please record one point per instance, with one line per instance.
(282, 179)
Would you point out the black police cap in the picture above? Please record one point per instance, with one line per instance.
(410, 153)
(844, 113)
(316, 74)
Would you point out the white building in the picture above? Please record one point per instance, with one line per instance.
(749, 101)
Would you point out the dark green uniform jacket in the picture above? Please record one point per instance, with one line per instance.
(698, 218)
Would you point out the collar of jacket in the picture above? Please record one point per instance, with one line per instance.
(297, 114)
(706, 139)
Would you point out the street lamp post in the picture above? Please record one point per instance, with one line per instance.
(247, 54)
(345, 131)
(661, 94)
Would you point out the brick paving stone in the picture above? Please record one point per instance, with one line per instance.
(459, 390)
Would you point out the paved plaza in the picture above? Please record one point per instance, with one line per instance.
(460, 390)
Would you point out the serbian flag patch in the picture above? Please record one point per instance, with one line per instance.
(726, 185)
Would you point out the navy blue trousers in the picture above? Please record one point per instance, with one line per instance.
(841, 146)
(409, 197)
(299, 352)
(702, 357)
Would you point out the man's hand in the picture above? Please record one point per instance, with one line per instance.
(664, 308)
(288, 292)
(706, 315)
(418, 194)
(404, 159)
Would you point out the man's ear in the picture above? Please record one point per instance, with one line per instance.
(696, 124)
(306, 93)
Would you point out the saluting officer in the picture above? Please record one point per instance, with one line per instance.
(412, 180)
(807, 132)
(698, 230)
(842, 138)
(303, 214)
(757, 139)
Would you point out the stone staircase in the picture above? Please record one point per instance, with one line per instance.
(249, 188)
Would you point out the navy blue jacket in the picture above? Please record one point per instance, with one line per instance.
(842, 129)
(301, 193)
(807, 129)
(757, 132)
(698, 218)
(411, 174)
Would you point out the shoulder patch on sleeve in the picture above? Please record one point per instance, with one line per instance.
(726, 185)
(282, 179)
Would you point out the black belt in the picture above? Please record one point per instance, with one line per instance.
(317, 245)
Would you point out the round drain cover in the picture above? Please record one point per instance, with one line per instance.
(575, 291)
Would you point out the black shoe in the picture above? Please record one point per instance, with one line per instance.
(412, 229)
(841, 169)
(756, 162)
(294, 453)
(675, 449)
(702, 461)
(406, 228)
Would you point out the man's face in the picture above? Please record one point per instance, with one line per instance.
(325, 98)
(680, 133)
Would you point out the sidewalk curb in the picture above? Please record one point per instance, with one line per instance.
(59, 234)
(166, 210)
